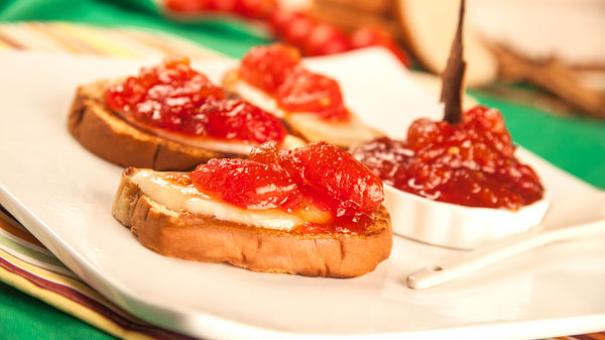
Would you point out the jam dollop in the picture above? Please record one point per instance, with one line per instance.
(277, 70)
(471, 163)
(316, 180)
(175, 97)
(266, 67)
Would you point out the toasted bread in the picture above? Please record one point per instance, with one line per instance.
(110, 137)
(204, 238)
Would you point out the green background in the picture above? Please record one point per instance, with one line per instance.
(574, 144)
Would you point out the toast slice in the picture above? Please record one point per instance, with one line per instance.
(110, 137)
(107, 135)
(304, 125)
(204, 238)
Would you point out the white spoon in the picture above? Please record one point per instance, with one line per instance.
(499, 250)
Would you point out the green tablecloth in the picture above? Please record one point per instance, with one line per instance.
(574, 144)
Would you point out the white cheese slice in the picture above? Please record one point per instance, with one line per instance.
(344, 134)
(257, 97)
(179, 198)
(307, 124)
(235, 147)
(230, 147)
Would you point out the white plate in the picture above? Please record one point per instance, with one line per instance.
(62, 193)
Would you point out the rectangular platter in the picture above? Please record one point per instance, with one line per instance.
(63, 195)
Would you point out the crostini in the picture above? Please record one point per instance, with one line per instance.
(169, 117)
(312, 211)
(312, 105)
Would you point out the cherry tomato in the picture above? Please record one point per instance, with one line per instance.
(325, 39)
(369, 36)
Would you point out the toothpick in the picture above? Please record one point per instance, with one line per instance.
(453, 76)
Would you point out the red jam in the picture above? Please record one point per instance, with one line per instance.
(304, 181)
(471, 163)
(266, 67)
(277, 70)
(248, 184)
(334, 177)
(175, 97)
(304, 91)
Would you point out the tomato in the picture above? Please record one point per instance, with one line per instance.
(252, 9)
(186, 6)
(369, 36)
(281, 18)
(298, 30)
(325, 39)
(255, 9)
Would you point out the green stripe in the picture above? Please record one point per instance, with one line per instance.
(231, 37)
(31, 253)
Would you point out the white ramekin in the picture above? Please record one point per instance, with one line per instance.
(456, 226)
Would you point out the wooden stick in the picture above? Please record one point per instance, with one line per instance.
(553, 76)
(453, 76)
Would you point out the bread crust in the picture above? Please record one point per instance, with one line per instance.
(204, 238)
(113, 139)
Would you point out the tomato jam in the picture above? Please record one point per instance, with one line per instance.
(278, 71)
(175, 97)
(320, 183)
(471, 163)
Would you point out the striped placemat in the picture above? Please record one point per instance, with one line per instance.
(82, 39)
(27, 265)
(24, 262)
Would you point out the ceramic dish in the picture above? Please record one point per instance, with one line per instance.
(63, 195)
(456, 226)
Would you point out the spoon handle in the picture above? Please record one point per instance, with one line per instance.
(499, 250)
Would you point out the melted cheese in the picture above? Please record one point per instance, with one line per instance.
(257, 97)
(237, 148)
(308, 124)
(343, 134)
(179, 198)
(230, 147)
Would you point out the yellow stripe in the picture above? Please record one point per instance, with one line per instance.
(188, 48)
(171, 46)
(152, 41)
(30, 38)
(48, 275)
(67, 45)
(141, 49)
(94, 38)
(75, 284)
(60, 302)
